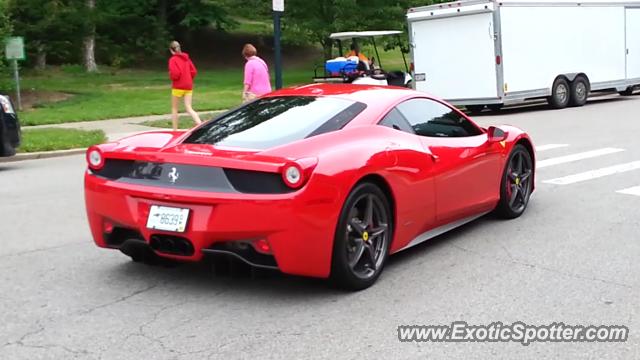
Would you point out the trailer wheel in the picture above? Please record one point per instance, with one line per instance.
(579, 91)
(495, 107)
(627, 92)
(475, 109)
(560, 94)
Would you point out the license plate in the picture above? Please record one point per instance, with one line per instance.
(167, 218)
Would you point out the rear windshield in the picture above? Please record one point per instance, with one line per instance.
(276, 121)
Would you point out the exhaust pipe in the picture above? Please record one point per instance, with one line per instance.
(139, 251)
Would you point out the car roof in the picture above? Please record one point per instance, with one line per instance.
(360, 34)
(367, 94)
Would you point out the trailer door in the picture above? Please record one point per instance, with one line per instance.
(456, 55)
(633, 43)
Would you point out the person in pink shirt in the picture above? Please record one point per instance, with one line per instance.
(256, 74)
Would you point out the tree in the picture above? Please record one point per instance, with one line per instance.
(116, 32)
(89, 42)
(135, 32)
(44, 24)
(131, 32)
(250, 9)
(5, 25)
(124, 32)
(5, 31)
(196, 14)
(316, 20)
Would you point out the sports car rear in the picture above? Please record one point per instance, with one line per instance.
(185, 211)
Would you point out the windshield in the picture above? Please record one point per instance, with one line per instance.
(275, 121)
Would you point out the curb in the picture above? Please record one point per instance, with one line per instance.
(42, 155)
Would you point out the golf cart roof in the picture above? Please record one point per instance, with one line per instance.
(361, 34)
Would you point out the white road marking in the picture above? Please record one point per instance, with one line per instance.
(594, 174)
(630, 191)
(550, 147)
(575, 157)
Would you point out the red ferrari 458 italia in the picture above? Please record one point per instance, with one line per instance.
(320, 180)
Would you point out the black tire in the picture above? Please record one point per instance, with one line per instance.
(495, 107)
(5, 147)
(627, 92)
(362, 238)
(560, 94)
(475, 109)
(516, 184)
(579, 91)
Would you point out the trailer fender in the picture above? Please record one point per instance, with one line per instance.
(570, 77)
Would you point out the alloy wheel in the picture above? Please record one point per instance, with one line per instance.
(518, 181)
(562, 93)
(367, 235)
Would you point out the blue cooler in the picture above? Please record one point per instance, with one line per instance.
(337, 67)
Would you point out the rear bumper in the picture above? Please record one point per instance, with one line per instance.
(299, 227)
(9, 133)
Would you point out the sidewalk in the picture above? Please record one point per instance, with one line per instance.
(114, 129)
(119, 128)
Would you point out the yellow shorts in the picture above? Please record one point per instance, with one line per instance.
(180, 93)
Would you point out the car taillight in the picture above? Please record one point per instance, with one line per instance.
(95, 158)
(6, 105)
(295, 174)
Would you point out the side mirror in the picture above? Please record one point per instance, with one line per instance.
(496, 134)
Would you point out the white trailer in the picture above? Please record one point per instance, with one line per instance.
(492, 53)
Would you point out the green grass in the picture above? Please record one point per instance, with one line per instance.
(124, 93)
(391, 59)
(116, 94)
(49, 139)
(252, 27)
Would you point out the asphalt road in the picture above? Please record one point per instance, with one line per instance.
(574, 257)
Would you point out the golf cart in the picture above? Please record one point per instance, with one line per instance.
(358, 69)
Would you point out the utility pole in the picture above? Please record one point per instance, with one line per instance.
(16, 76)
(14, 51)
(278, 9)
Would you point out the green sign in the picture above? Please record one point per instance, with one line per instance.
(14, 48)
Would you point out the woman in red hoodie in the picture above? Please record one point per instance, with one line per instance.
(182, 72)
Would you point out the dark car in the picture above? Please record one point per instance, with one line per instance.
(9, 127)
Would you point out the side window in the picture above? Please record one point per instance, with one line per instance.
(431, 118)
(395, 120)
